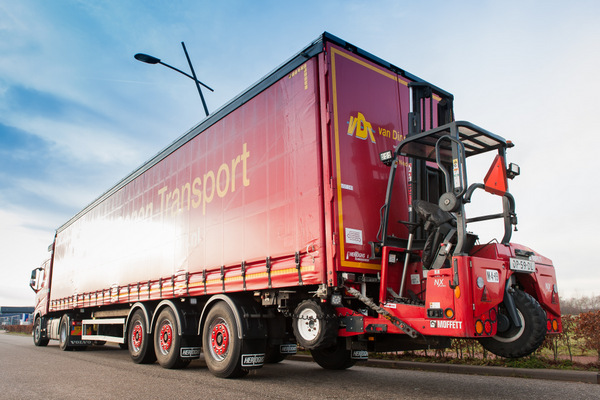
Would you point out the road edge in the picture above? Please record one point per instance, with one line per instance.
(548, 374)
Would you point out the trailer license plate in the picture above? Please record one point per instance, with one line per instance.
(518, 264)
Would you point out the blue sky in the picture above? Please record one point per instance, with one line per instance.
(77, 112)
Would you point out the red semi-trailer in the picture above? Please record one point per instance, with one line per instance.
(323, 206)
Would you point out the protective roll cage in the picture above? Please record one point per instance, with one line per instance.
(449, 146)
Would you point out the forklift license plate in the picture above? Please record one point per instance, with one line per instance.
(518, 264)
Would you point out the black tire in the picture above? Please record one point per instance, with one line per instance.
(167, 341)
(38, 340)
(335, 357)
(220, 343)
(63, 334)
(139, 341)
(315, 325)
(519, 342)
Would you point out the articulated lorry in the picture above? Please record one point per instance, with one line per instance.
(323, 207)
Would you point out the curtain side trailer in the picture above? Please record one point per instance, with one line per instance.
(322, 207)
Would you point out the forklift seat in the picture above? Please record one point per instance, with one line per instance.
(439, 225)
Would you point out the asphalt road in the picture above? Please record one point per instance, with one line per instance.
(29, 372)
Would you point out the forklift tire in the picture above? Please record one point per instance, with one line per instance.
(315, 325)
(519, 342)
(335, 357)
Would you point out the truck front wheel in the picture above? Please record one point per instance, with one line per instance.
(220, 343)
(515, 341)
(38, 340)
(167, 341)
(138, 340)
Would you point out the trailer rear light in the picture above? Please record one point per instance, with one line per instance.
(554, 294)
(387, 157)
(493, 315)
(479, 327)
(549, 325)
(555, 325)
(487, 327)
(449, 313)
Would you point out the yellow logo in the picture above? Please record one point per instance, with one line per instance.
(359, 127)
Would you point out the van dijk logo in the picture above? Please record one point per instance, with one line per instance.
(359, 127)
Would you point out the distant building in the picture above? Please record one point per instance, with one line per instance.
(15, 315)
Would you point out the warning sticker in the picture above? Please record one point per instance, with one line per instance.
(354, 236)
(415, 279)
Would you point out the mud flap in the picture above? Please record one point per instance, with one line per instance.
(253, 353)
(190, 352)
(358, 350)
(253, 333)
(288, 348)
(361, 355)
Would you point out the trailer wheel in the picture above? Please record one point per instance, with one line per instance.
(37, 333)
(167, 341)
(220, 343)
(138, 340)
(315, 325)
(63, 334)
(335, 357)
(519, 342)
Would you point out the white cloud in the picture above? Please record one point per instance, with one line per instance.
(23, 248)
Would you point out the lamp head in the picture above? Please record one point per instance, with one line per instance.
(146, 58)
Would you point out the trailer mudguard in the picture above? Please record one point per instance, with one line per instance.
(247, 315)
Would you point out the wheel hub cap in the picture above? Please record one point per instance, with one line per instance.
(219, 339)
(136, 337)
(166, 337)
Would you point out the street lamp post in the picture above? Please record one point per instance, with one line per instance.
(153, 60)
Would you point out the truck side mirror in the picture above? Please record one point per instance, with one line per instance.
(33, 280)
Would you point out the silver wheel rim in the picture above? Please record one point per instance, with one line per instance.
(63, 334)
(517, 335)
